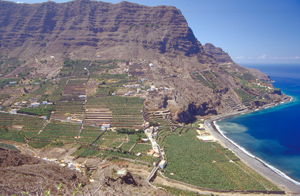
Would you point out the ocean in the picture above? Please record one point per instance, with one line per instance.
(273, 134)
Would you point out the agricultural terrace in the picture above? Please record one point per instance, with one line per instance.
(74, 68)
(125, 111)
(53, 132)
(208, 165)
(75, 87)
(157, 120)
(113, 144)
(40, 89)
(18, 128)
(69, 108)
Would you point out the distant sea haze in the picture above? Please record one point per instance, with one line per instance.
(273, 134)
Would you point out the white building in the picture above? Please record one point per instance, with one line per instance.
(162, 164)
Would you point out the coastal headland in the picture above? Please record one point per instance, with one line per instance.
(274, 175)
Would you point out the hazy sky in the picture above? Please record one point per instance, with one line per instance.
(251, 31)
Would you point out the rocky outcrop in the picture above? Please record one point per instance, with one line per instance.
(35, 176)
(259, 74)
(218, 54)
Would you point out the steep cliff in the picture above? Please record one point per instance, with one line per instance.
(218, 54)
(86, 28)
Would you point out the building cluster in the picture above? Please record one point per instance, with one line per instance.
(261, 85)
(153, 88)
(138, 90)
(31, 104)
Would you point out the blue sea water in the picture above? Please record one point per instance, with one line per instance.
(273, 134)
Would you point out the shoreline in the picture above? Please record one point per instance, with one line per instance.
(271, 173)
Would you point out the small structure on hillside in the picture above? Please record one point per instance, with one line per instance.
(162, 164)
(105, 126)
(13, 111)
(207, 138)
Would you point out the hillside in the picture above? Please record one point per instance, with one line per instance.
(201, 80)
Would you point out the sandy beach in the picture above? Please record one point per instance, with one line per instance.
(284, 182)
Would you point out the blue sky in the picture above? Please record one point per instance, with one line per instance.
(256, 31)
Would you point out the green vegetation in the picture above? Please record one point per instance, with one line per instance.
(178, 192)
(208, 162)
(88, 152)
(115, 154)
(9, 81)
(246, 76)
(57, 131)
(7, 65)
(9, 146)
(203, 81)
(246, 98)
(40, 111)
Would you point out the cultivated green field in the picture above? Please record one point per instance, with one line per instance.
(210, 165)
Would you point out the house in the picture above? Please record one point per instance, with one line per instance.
(122, 172)
(105, 126)
(138, 154)
(162, 164)
(44, 102)
(207, 138)
(13, 111)
(147, 124)
(151, 64)
(35, 104)
(43, 117)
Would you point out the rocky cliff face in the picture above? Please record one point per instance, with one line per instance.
(86, 28)
(45, 34)
(218, 54)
